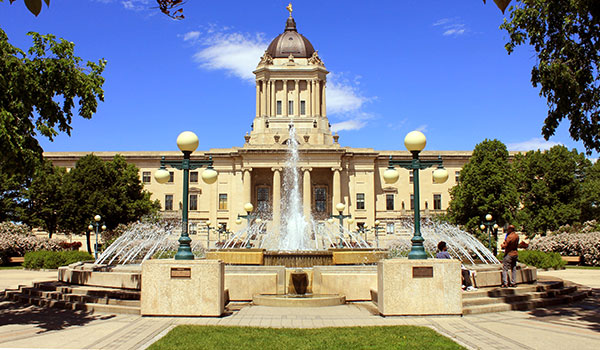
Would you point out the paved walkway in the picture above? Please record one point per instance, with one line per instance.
(567, 327)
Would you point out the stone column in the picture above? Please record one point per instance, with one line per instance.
(257, 98)
(267, 93)
(297, 103)
(306, 192)
(309, 104)
(273, 98)
(318, 98)
(247, 180)
(276, 196)
(324, 108)
(285, 99)
(336, 192)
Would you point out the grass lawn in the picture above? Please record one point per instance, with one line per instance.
(11, 267)
(583, 267)
(248, 338)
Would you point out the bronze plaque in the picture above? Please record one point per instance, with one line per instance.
(422, 271)
(181, 272)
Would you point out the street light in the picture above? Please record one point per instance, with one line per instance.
(248, 207)
(208, 228)
(96, 224)
(489, 224)
(376, 229)
(415, 142)
(340, 207)
(187, 142)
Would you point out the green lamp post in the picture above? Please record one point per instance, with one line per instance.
(340, 208)
(250, 216)
(187, 142)
(415, 142)
(96, 224)
(489, 224)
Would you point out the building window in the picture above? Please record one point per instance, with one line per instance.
(457, 176)
(171, 177)
(146, 177)
(278, 107)
(411, 177)
(360, 201)
(320, 199)
(389, 202)
(168, 202)
(222, 201)
(193, 202)
(437, 202)
(194, 176)
(290, 107)
(193, 229)
(262, 198)
(412, 202)
(303, 107)
(389, 228)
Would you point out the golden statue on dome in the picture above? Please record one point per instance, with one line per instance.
(289, 8)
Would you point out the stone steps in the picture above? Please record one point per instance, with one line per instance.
(523, 297)
(86, 298)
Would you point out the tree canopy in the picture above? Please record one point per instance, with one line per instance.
(565, 35)
(39, 90)
(485, 187)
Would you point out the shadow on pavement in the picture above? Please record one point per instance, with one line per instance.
(46, 319)
(583, 314)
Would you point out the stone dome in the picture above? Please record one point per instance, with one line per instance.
(290, 42)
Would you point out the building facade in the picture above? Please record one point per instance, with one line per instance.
(291, 83)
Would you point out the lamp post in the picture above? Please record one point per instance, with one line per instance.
(187, 142)
(250, 216)
(415, 142)
(340, 208)
(376, 229)
(489, 224)
(96, 224)
(208, 228)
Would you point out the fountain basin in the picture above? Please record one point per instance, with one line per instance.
(301, 258)
(291, 300)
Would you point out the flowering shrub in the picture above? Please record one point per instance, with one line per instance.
(70, 246)
(586, 245)
(16, 240)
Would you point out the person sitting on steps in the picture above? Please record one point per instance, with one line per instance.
(466, 274)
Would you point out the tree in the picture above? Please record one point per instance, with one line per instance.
(110, 189)
(39, 90)
(549, 185)
(486, 186)
(565, 35)
(590, 194)
(44, 197)
(11, 196)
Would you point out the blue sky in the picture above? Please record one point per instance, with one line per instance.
(437, 66)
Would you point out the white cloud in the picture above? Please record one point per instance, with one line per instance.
(451, 26)
(353, 124)
(422, 128)
(235, 53)
(532, 145)
(191, 36)
(136, 5)
(343, 97)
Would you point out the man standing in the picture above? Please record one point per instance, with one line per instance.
(510, 246)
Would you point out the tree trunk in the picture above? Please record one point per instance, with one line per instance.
(88, 240)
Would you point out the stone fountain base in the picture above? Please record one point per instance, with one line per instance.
(306, 300)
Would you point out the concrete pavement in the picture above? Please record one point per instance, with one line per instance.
(565, 327)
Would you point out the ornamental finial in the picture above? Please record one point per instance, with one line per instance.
(289, 8)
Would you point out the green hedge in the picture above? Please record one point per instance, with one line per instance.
(539, 259)
(44, 259)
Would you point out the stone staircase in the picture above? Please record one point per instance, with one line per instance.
(523, 297)
(87, 298)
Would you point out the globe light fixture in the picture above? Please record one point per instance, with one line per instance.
(251, 217)
(96, 223)
(489, 224)
(187, 141)
(340, 208)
